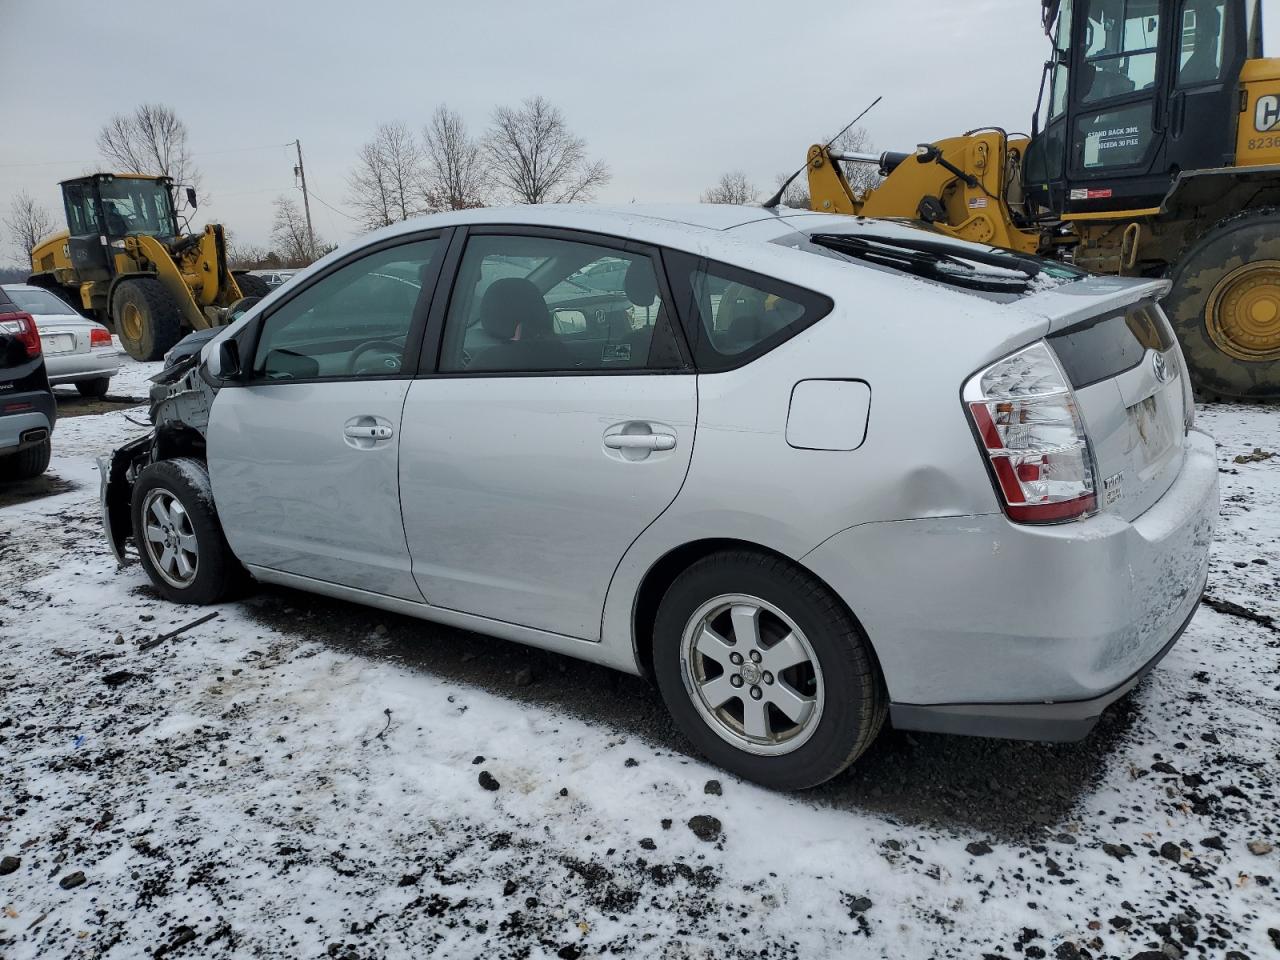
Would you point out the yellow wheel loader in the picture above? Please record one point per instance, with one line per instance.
(1154, 151)
(124, 260)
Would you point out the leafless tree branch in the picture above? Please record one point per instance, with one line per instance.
(534, 157)
(456, 176)
(28, 222)
(386, 185)
(732, 187)
(151, 140)
(289, 234)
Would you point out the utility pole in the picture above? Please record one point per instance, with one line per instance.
(301, 174)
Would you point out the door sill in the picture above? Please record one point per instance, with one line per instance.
(591, 650)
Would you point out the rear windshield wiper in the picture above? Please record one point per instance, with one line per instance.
(935, 260)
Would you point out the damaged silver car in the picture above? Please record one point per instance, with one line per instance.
(811, 473)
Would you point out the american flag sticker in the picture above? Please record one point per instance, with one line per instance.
(976, 202)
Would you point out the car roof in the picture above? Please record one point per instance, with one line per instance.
(591, 217)
(20, 286)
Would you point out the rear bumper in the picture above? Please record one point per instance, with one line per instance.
(986, 626)
(70, 367)
(18, 430)
(1066, 721)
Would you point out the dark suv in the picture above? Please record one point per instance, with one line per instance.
(27, 407)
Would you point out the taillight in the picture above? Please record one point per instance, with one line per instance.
(1026, 418)
(22, 327)
(99, 337)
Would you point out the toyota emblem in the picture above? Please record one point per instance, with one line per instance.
(1161, 367)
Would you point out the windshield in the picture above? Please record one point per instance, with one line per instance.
(136, 206)
(38, 302)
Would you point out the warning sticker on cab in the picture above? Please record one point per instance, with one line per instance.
(1090, 193)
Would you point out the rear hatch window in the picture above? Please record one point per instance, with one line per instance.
(1132, 392)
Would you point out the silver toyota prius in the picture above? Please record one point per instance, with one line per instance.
(808, 472)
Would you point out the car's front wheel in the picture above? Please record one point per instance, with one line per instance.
(179, 538)
(765, 670)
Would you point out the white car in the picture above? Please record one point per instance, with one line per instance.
(76, 350)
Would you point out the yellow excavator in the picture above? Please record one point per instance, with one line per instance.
(1154, 151)
(124, 260)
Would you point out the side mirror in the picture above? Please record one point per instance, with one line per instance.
(191, 197)
(224, 364)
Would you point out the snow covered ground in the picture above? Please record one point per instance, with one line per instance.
(300, 778)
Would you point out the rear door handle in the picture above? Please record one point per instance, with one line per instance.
(640, 441)
(368, 432)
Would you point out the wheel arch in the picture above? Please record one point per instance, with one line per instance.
(662, 573)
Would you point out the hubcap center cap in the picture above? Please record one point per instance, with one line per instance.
(750, 673)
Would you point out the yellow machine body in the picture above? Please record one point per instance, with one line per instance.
(122, 231)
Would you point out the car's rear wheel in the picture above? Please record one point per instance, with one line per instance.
(765, 670)
(179, 538)
(97, 387)
(27, 463)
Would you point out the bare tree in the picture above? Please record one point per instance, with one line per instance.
(386, 184)
(796, 195)
(456, 177)
(732, 187)
(289, 234)
(534, 158)
(150, 140)
(28, 222)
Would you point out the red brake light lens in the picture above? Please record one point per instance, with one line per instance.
(22, 326)
(99, 337)
(1025, 414)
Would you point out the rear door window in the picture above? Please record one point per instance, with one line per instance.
(529, 303)
(733, 316)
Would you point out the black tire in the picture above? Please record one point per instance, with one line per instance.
(252, 286)
(26, 463)
(217, 573)
(158, 318)
(97, 387)
(855, 699)
(1203, 278)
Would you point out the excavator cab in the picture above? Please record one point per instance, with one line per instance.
(104, 208)
(1134, 92)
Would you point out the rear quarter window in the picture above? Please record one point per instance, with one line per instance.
(732, 316)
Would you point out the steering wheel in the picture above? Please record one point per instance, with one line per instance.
(376, 357)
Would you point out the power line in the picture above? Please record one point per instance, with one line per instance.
(333, 208)
(202, 153)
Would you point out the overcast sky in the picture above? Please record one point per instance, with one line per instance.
(670, 94)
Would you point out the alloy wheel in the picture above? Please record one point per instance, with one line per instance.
(752, 674)
(169, 538)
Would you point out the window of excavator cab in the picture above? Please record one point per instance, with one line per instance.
(1200, 43)
(136, 206)
(1062, 56)
(82, 215)
(1121, 37)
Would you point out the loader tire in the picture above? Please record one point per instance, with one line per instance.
(1225, 308)
(251, 286)
(146, 317)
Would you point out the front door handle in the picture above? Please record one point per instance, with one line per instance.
(640, 441)
(375, 431)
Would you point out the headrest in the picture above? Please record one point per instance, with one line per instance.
(640, 285)
(512, 303)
